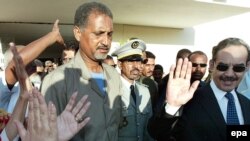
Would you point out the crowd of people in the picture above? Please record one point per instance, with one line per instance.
(86, 98)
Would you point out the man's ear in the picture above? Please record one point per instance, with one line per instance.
(77, 33)
(211, 65)
(119, 64)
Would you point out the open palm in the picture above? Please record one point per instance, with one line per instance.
(179, 90)
(67, 123)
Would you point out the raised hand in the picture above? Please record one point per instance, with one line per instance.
(22, 76)
(55, 29)
(25, 88)
(42, 123)
(71, 120)
(179, 90)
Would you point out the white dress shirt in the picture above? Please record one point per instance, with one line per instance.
(222, 101)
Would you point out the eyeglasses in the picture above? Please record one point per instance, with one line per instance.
(236, 68)
(201, 65)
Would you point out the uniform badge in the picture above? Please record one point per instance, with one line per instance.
(135, 44)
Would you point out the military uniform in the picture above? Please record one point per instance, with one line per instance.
(105, 110)
(152, 87)
(136, 105)
(135, 115)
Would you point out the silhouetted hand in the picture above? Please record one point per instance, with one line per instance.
(42, 123)
(179, 90)
(71, 119)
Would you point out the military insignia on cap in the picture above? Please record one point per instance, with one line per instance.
(135, 44)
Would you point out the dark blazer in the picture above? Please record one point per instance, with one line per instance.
(201, 119)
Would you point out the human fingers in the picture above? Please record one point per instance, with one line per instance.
(55, 26)
(36, 107)
(189, 71)
(79, 106)
(80, 116)
(21, 73)
(16, 61)
(59, 36)
(31, 112)
(71, 102)
(193, 88)
(171, 71)
(52, 119)
(20, 129)
(184, 68)
(178, 68)
(44, 114)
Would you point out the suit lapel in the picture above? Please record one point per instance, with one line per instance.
(244, 108)
(211, 106)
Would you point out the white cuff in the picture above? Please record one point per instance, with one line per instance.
(172, 110)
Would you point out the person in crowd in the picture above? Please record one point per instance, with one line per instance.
(9, 88)
(49, 66)
(208, 78)
(110, 61)
(34, 77)
(204, 115)
(68, 123)
(137, 108)
(85, 73)
(147, 74)
(199, 66)
(158, 73)
(69, 51)
(149, 64)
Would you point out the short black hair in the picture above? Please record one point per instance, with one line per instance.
(71, 45)
(227, 43)
(158, 67)
(149, 54)
(83, 12)
(182, 52)
(198, 52)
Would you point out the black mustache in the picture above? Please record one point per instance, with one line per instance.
(228, 78)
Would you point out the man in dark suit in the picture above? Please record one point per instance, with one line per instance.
(205, 116)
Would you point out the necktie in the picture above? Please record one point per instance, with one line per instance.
(232, 117)
(132, 92)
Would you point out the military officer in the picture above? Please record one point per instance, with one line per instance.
(136, 107)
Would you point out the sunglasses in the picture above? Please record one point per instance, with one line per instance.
(236, 68)
(201, 65)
